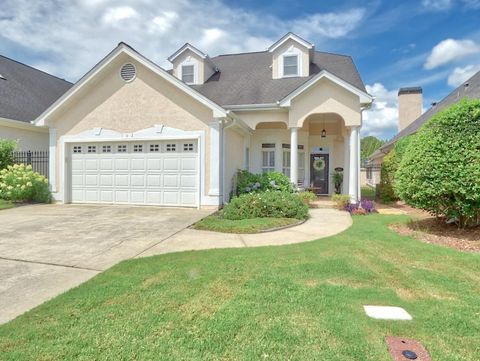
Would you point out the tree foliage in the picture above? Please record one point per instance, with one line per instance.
(7, 146)
(440, 171)
(368, 145)
(390, 164)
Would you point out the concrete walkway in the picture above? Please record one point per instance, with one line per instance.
(323, 222)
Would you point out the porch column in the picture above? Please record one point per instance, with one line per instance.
(294, 156)
(353, 167)
(346, 160)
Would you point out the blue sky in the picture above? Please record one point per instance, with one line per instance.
(430, 43)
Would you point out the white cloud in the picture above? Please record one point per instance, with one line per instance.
(117, 14)
(459, 75)
(381, 120)
(72, 37)
(450, 50)
(330, 25)
(437, 5)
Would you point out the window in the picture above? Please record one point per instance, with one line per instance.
(247, 159)
(301, 164)
(77, 149)
(268, 157)
(290, 65)
(171, 147)
(106, 149)
(188, 147)
(154, 148)
(188, 74)
(91, 149)
(286, 163)
(121, 148)
(137, 148)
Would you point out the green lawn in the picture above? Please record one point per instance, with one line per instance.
(298, 302)
(6, 204)
(217, 224)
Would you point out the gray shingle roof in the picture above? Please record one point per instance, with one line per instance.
(247, 78)
(470, 91)
(25, 92)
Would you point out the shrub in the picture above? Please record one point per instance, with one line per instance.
(307, 197)
(337, 181)
(19, 182)
(265, 204)
(7, 146)
(341, 200)
(273, 181)
(440, 170)
(388, 169)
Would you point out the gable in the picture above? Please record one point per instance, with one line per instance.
(111, 103)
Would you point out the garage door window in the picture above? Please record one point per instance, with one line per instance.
(188, 147)
(106, 149)
(91, 149)
(171, 147)
(137, 148)
(155, 148)
(77, 149)
(122, 148)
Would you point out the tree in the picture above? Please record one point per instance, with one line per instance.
(7, 146)
(440, 171)
(368, 145)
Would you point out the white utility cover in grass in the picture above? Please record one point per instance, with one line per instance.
(387, 313)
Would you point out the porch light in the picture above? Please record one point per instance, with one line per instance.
(324, 133)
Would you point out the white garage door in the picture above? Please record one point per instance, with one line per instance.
(160, 173)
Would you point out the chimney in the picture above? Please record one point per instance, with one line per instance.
(409, 106)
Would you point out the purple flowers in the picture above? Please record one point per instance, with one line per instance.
(366, 206)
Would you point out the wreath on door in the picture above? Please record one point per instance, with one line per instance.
(319, 164)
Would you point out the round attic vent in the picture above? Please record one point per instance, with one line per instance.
(128, 72)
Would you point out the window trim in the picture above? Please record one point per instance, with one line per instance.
(194, 73)
(271, 150)
(289, 55)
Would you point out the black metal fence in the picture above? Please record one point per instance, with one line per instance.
(37, 159)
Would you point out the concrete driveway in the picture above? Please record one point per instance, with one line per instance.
(48, 249)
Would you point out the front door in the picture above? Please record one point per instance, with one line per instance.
(319, 173)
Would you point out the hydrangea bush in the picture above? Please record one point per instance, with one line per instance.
(272, 181)
(19, 183)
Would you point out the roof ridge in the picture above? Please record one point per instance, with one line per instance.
(36, 69)
(246, 53)
(330, 53)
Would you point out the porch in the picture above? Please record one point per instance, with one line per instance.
(324, 146)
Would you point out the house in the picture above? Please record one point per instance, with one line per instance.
(25, 92)
(410, 118)
(131, 132)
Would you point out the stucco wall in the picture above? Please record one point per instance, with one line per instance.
(325, 97)
(205, 70)
(276, 71)
(252, 118)
(234, 158)
(26, 139)
(110, 103)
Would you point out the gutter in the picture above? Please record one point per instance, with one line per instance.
(247, 107)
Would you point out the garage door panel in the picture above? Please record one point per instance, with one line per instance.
(121, 180)
(138, 173)
(187, 181)
(171, 164)
(189, 164)
(170, 180)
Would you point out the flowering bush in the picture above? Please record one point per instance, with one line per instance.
(273, 181)
(19, 182)
(266, 204)
(365, 206)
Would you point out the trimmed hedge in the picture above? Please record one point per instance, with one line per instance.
(266, 204)
(440, 171)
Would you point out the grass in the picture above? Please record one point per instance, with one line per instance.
(6, 204)
(297, 302)
(368, 193)
(254, 225)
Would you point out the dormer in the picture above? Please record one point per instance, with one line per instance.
(291, 57)
(191, 65)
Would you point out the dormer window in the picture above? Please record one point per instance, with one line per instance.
(188, 74)
(290, 65)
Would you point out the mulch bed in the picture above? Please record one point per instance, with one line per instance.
(432, 230)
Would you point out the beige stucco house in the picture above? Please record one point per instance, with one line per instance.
(132, 132)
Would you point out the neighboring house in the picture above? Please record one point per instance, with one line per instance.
(410, 117)
(25, 92)
(131, 132)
